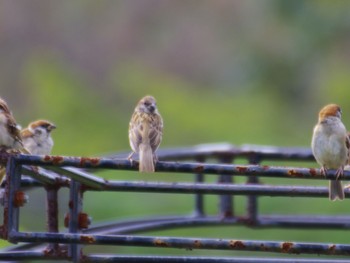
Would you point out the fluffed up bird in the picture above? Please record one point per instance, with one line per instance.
(145, 132)
(330, 146)
(37, 137)
(10, 139)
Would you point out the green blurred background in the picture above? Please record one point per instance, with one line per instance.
(246, 71)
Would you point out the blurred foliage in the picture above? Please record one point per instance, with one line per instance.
(253, 72)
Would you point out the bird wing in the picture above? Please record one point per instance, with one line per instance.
(156, 131)
(135, 135)
(347, 143)
(13, 129)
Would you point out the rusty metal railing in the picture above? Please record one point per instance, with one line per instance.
(58, 172)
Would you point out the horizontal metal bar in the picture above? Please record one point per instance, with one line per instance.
(132, 226)
(83, 177)
(174, 259)
(41, 175)
(28, 255)
(263, 221)
(185, 243)
(229, 169)
(219, 189)
(218, 150)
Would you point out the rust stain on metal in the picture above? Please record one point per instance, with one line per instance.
(197, 244)
(84, 221)
(20, 199)
(236, 244)
(286, 247)
(160, 243)
(313, 172)
(85, 160)
(241, 169)
(265, 167)
(66, 220)
(294, 173)
(54, 159)
(88, 239)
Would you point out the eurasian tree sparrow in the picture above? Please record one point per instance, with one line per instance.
(145, 132)
(37, 137)
(9, 133)
(10, 139)
(330, 146)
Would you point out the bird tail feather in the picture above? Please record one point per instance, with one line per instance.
(336, 190)
(146, 158)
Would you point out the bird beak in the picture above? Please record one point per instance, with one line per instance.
(52, 127)
(152, 108)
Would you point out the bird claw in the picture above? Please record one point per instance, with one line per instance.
(130, 158)
(324, 171)
(339, 172)
(155, 158)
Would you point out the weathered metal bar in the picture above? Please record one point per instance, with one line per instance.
(52, 214)
(75, 207)
(219, 189)
(27, 181)
(252, 204)
(28, 255)
(186, 243)
(175, 259)
(227, 169)
(244, 151)
(199, 200)
(45, 177)
(78, 175)
(13, 178)
(296, 222)
(226, 209)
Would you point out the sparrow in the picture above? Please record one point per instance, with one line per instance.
(10, 138)
(145, 133)
(330, 146)
(37, 137)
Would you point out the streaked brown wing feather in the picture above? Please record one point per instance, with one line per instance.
(156, 132)
(135, 136)
(12, 128)
(4, 106)
(347, 143)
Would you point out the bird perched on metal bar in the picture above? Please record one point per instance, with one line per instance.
(330, 146)
(145, 133)
(10, 139)
(37, 137)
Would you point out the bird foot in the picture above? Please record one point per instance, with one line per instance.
(324, 171)
(339, 172)
(130, 158)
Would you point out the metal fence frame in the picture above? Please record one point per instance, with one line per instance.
(72, 172)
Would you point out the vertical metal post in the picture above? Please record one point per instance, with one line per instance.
(52, 214)
(75, 207)
(252, 205)
(199, 198)
(13, 179)
(226, 201)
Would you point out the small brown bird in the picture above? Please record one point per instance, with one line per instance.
(37, 137)
(145, 132)
(330, 146)
(10, 139)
